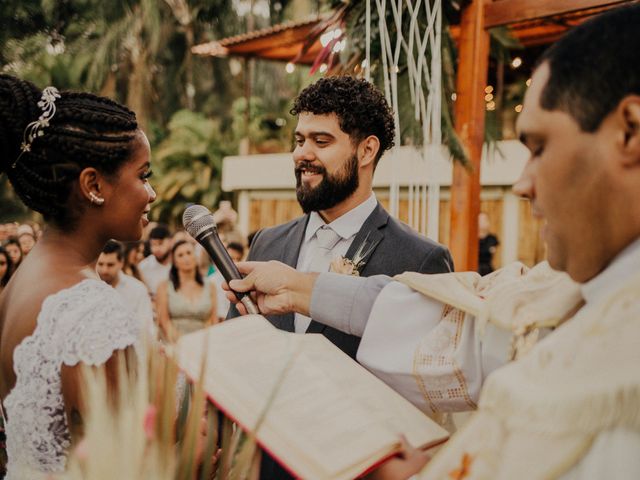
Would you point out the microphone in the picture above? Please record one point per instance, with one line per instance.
(199, 223)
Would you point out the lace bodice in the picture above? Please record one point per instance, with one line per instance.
(85, 323)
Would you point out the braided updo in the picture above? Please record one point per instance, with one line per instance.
(86, 131)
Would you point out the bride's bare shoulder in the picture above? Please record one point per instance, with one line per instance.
(21, 303)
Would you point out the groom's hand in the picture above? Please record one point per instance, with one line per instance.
(276, 287)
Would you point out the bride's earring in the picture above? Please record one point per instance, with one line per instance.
(95, 199)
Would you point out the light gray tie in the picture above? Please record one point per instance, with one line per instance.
(326, 239)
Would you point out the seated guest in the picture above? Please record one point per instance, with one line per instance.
(133, 255)
(15, 252)
(133, 291)
(5, 268)
(155, 268)
(185, 302)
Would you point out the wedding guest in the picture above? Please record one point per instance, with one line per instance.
(12, 229)
(81, 161)
(25, 228)
(5, 268)
(186, 301)
(35, 228)
(133, 255)
(236, 252)
(155, 268)
(182, 236)
(487, 245)
(12, 246)
(134, 292)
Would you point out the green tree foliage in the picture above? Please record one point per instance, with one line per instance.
(189, 163)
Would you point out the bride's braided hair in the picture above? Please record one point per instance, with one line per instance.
(86, 131)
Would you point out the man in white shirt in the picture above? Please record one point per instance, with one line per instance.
(567, 407)
(133, 291)
(155, 268)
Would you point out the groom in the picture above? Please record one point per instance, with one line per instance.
(344, 127)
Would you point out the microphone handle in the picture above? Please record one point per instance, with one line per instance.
(211, 242)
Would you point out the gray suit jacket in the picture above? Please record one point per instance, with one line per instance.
(396, 248)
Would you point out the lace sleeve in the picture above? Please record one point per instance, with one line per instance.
(94, 323)
(85, 323)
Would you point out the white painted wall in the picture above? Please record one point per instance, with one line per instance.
(275, 171)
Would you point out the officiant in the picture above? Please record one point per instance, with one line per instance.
(566, 406)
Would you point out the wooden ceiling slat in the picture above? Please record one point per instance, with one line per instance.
(505, 12)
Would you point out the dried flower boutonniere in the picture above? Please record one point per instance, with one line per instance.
(353, 266)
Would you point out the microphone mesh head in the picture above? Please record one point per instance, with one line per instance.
(197, 218)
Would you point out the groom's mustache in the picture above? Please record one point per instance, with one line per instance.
(309, 167)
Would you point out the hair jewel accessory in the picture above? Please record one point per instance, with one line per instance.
(96, 199)
(36, 128)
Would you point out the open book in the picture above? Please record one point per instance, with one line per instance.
(317, 412)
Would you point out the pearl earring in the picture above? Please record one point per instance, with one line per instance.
(96, 199)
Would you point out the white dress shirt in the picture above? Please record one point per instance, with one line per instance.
(153, 272)
(136, 297)
(347, 226)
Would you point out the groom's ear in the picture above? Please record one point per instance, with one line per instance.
(367, 151)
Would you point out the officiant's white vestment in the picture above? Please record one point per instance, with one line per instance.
(568, 407)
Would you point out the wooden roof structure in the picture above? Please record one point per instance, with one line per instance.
(532, 22)
(281, 42)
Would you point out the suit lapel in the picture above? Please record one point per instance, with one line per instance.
(293, 242)
(370, 235)
(291, 245)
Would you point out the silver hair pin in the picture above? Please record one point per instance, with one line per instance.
(35, 129)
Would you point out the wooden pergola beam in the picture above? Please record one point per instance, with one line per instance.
(473, 62)
(473, 67)
(505, 12)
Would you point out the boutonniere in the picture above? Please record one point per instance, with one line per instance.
(353, 266)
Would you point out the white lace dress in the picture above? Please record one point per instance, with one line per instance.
(85, 323)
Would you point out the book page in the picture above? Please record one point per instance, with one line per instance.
(387, 406)
(319, 423)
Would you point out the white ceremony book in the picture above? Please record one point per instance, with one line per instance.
(327, 417)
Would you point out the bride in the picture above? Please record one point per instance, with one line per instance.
(83, 163)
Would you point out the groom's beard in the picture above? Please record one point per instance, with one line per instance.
(332, 189)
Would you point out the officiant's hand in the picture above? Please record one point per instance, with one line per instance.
(276, 287)
(408, 462)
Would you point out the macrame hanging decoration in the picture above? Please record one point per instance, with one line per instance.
(420, 45)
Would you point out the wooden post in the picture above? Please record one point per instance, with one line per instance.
(473, 64)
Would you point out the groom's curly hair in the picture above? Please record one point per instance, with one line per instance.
(360, 107)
